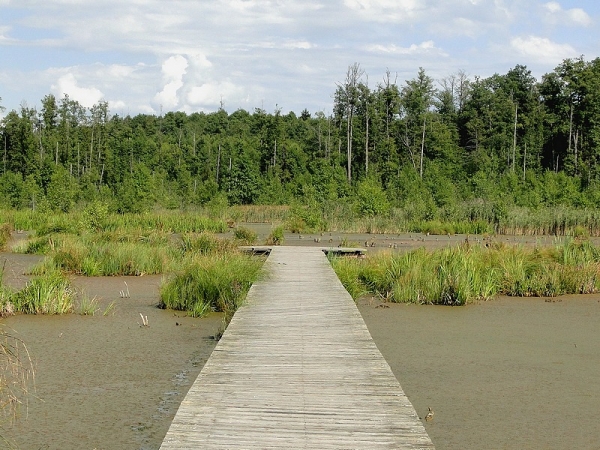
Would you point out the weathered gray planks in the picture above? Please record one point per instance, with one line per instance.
(296, 369)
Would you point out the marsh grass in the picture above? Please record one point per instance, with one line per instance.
(245, 235)
(50, 294)
(87, 306)
(110, 309)
(210, 283)
(5, 233)
(169, 222)
(465, 274)
(205, 244)
(17, 376)
(276, 236)
(259, 213)
(103, 255)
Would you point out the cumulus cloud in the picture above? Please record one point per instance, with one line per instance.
(173, 70)
(575, 16)
(189, 54)
(212, 93)
(68, 84)
(539, 49)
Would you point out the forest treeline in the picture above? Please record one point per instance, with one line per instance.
(424, 145)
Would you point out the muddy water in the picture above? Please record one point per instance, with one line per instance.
(511, 373)
(104, 381)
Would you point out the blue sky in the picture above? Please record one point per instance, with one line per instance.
(148, 56)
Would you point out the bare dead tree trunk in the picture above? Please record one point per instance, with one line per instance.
(514, 157)
(524, 160)
(422, 147)
(575, 141)
(570, 129)
(218, 163)
(353, 75)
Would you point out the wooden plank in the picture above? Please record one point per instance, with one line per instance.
(297, 368)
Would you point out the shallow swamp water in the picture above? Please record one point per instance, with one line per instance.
(511, 373)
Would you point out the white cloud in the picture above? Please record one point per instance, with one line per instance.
(210, 94)
(555, 14)
(173, 70)
(185, 54)
(385, 10)
(539, 49)
(68, 84)
(422, 48)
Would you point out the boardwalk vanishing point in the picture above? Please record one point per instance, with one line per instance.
(296, 369)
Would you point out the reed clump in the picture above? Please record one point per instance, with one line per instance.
(17, 375)
(245, 235)
(50, 294)
(465, 274)
(260, 213)
(207, 283)
(205, 244)
(5, 233)
(103, 254)
(276, 236)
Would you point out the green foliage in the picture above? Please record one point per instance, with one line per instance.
(276, 236)
(496, 146)
(210, 283)
(5, 233)
(371, 199)
(61, 192)
(306, 218)
(95, 216)
(461, 275)
(51, 294)
(245, 235)
(205, 244)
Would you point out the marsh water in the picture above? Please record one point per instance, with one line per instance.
(511, 373)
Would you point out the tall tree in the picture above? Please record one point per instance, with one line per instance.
(347, 98)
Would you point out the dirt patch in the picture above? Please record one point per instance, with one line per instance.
(505, 374)
(104, 381)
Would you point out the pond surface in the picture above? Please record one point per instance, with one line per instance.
(511, 373)
(104, 381)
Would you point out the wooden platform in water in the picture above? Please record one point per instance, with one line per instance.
(296, 369)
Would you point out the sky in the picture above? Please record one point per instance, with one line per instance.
(155, 56)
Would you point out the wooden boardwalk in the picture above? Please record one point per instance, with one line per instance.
(296, 369)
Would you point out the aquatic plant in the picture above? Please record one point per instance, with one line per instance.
(5, 232)
(276, 236)
(245, 235)
(464, 274)
(210, 283)
(50, 294)
(17, 375)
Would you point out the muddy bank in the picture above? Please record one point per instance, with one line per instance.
(511, 373)
(105, 382)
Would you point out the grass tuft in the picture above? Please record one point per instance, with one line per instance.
(211, 283)
(465, 274)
